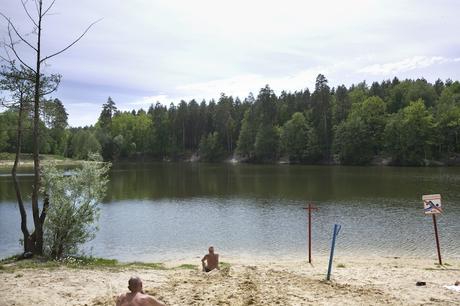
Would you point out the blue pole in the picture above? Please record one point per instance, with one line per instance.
(334, 234)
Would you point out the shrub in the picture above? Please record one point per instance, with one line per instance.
(73, 206)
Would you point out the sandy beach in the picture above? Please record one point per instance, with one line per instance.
(355, 281)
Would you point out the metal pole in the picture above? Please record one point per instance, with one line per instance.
(310, 208)
(309, 232)
(437, 238)
(334, 234)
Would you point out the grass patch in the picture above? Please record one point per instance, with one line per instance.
(147, 265)
(340, 265)
(10, 259)
(12, 264)
(187, 267)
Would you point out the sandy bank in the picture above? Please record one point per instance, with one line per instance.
(8, 164)
(358, 281)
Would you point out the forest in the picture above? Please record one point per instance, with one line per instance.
(398, 122)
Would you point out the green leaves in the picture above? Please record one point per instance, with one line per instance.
(211, 149)
(409, 134)
(360, 137)
(299, 140)
(73, 206)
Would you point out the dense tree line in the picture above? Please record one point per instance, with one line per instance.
(53, 127)
(409, 122)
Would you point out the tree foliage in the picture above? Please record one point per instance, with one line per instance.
(210, 148)
(360, 137)
(74, 206)
(299, 140)
(410, 134)
(350, 125)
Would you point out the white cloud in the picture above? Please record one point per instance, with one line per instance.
(416, 62)
(242, 85)
(147, 101)
(146, 51)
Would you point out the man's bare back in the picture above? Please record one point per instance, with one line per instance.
(136, 297)
(212, 260)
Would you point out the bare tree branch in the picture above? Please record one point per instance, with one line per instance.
(7, 60)
(16, 31)
(37, 7)
(11, 46)
(73, 43)
(28, 14)
(49, 7)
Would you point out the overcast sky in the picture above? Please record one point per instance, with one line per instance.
(148, 51)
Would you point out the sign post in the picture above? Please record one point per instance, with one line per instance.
(432, 206)
(310, 208)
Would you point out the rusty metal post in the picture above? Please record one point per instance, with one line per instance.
(435, 224)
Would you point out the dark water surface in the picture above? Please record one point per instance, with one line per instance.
(163, 211)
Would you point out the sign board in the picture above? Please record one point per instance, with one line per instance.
(432, 204)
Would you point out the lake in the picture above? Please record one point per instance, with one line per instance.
(174, 211)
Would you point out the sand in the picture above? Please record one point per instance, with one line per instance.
(358, 281)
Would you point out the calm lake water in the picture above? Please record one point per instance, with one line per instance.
(162, 211)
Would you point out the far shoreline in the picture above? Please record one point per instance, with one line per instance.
(26, 162)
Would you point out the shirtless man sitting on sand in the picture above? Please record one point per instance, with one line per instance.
(212, 261)
(137, 297)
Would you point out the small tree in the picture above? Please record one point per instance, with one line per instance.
(267, 143)
(33, 66)
(74, 206)
(211, 149)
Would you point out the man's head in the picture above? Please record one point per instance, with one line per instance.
(211, 250)
(135, 284)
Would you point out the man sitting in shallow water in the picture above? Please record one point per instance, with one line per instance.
(212, 261)
(137, 297)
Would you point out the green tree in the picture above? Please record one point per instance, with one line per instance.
(247, 136)
(359, 138)
(447, 116)
(84, 143)
(135, 129)
(266, 147)
(211, 148)
(55, 119)
(409, 134)
(74, 206)
(341, 105)
(322, 114)
(299, 140)
(3, 133)
(352, 142)
(265, 106)
(109, 110)
(159, 142)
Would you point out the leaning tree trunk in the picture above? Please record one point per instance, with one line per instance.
(28, 247)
